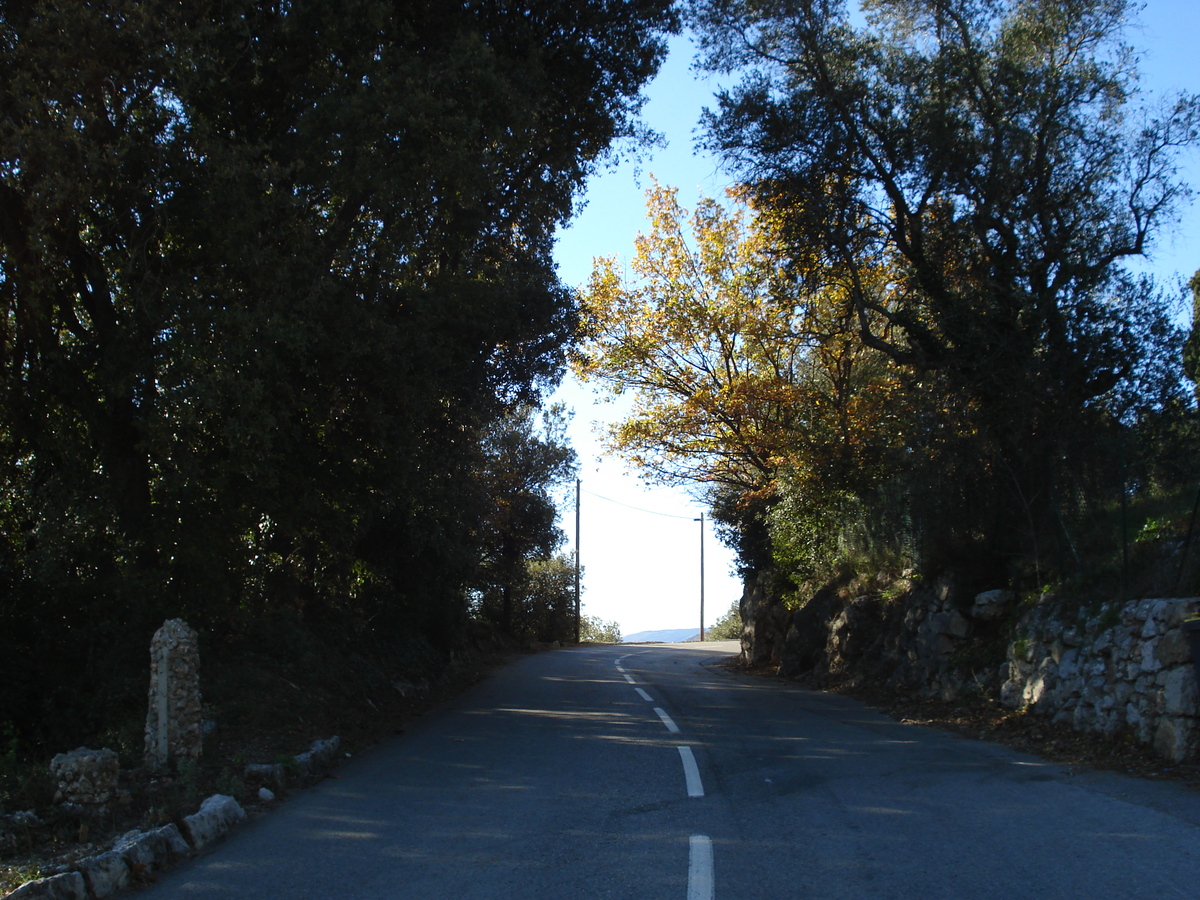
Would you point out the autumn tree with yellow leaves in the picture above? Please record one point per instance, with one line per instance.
(736, 376)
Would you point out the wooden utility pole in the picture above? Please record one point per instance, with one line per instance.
(578, 627)
(701, 521)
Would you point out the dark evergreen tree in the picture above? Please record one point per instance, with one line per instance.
(268, 272)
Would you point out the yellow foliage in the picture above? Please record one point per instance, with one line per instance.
(734, 369)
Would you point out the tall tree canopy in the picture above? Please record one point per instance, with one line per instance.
(524, 462)
(735, 374)
(992, 154)
(732, 371)
(268, 271)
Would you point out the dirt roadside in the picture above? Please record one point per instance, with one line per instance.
(149, 800)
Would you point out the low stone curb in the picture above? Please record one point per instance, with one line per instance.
(68, 886)
(151, 851)
(105, 874)
(217, 815)
(135, 855)
(140, 853)
(319, 756)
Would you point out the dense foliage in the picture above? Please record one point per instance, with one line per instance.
(522, 586)
(990, 154)
(934, 350)
(728, 627)
(738, 379)
(273, 276)
(599, 631)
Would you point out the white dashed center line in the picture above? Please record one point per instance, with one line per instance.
(666, 720)
(701, 885)
(700, 868)
(691, 772)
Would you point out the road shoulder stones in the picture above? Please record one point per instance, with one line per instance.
(139, 854)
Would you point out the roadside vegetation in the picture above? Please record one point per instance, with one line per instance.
(728, 627)
(277, 317)
(909, 341)
(597, 630)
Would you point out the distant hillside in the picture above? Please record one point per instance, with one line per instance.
(666, 635)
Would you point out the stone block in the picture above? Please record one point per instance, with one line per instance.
(1012, 694)
(86, 778)
(325, 752)
(1179, 692)
(1169, 613)
(212, 821)
(1175, 738)
(991, 605)
(1057, 648)
(319, 756)
(105, 874)
(68, 886)
(169, 845)
(151, 851)
(1122, 691)
(1034, 688)
(1068, 665)
(1149, 659)
(1173, 648)
(1127, 644)
(137, 851)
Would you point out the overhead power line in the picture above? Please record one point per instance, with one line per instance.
(649, 512)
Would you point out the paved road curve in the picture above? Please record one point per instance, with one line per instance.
(645, 772)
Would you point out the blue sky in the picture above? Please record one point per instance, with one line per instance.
(640, 546)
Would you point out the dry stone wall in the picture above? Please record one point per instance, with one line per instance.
(86, 779)
(1126, 668)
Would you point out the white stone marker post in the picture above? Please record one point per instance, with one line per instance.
(173, 719)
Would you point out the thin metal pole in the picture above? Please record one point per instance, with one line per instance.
(578, 628)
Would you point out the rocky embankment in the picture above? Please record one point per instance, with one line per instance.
(1109, 668)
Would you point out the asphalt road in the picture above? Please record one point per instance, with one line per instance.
(646, 772)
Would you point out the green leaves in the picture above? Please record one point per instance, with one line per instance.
(974, 172)
(270, 274)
